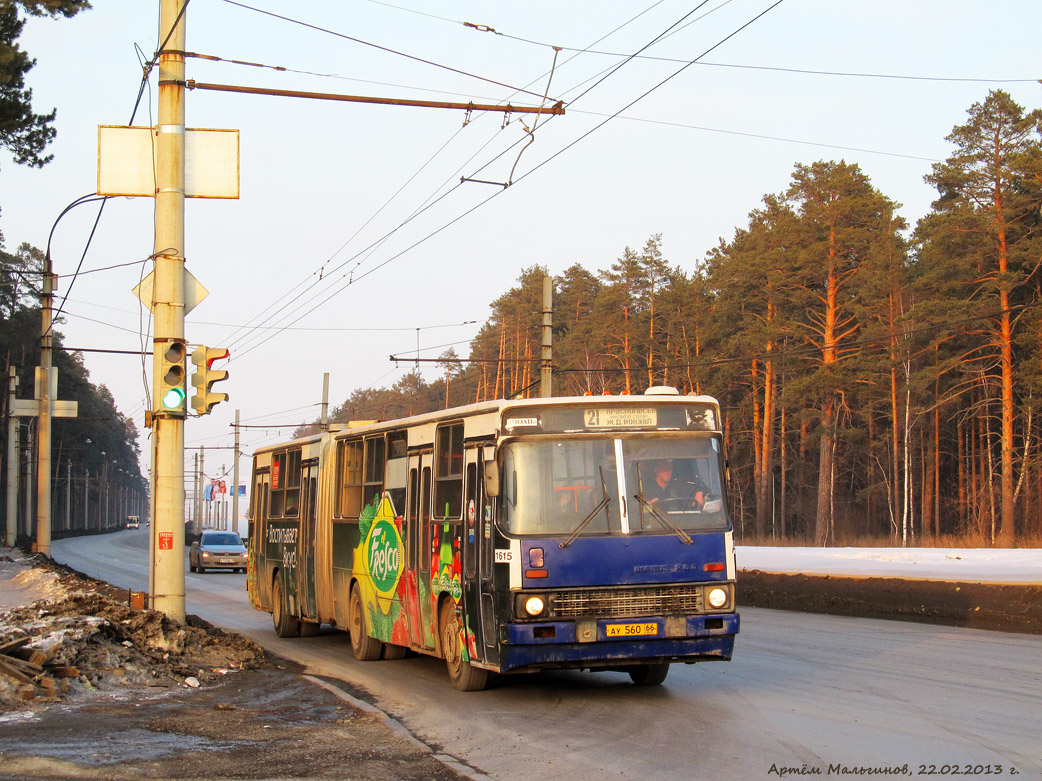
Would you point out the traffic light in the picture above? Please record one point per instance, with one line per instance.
(172, 391)
(205, 376)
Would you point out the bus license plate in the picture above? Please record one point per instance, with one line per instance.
(631, 630)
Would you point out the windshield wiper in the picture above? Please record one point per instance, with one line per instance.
(602, 505)
(661, 517)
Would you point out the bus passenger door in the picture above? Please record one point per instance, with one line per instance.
(258, 574)
(486, 562)
(473, 512)
(417, 553)
(306, 557)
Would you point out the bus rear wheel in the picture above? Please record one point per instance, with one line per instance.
(649, 674)
(286, 625)
(463, 676)
(364, 647)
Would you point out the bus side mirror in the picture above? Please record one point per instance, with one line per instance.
(491, 478)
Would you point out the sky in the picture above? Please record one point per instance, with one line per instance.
(353, 237)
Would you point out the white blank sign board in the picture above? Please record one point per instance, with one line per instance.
(126, 162)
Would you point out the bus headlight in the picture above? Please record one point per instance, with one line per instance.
(534, 605)
(717, 597)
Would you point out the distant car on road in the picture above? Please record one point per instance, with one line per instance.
(217, 550)
(133, 522)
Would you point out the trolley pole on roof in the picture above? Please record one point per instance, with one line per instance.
(168, 434)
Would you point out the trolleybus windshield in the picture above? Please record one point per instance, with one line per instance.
(551, 486)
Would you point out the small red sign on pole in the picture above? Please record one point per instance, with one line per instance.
(166, 540)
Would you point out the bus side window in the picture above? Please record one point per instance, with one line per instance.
(448, 457)
(277, 498)
(396, 470)
(292, 501)
(374, 470)
(349, 479)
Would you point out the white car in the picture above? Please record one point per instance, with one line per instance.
(217, 550)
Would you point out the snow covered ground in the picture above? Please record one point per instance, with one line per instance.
(971, 565)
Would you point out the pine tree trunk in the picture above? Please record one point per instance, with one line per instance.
(626, 346)
(823, 518)
(765, 435)
(687, 353)
(499, 364)
(961, 430)
(759, 496)
(783, 468)
(1007, 536)
(895, 445)
(937, 469)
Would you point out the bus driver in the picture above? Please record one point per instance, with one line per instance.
(678, 492)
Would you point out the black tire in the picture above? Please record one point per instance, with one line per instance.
(364, 647)
(392, 651)
(286, 625)
(309, 628)
(649, 674)
(463, 676)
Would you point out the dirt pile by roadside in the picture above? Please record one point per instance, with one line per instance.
(155, 699)
(84, 637)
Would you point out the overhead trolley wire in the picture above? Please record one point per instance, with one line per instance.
(639, 98)
(803, 71)
(376, 46)
(312, 305)
(376, 244)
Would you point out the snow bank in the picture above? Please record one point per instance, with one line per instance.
(971, 565)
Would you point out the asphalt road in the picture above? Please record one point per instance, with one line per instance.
(802, 690)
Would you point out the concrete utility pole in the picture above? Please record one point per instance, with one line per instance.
(323, 421)
(235, 476)
(546, 350)
(43, 429)
(195, 494)
(13, 424)
(168, 434)
(200, 517)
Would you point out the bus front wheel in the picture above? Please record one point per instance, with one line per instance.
(364, 647)
(463, 676)
(286, 625)
(649, 674)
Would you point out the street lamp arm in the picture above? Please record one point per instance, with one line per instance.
(88, 198)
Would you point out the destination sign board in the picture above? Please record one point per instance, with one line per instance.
(621, 417)
(610, 417)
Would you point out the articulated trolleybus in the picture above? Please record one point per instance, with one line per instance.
(506, 536)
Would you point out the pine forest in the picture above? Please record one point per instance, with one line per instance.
(882, 383)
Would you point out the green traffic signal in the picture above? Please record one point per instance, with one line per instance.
(174, 398)
(172, 393)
